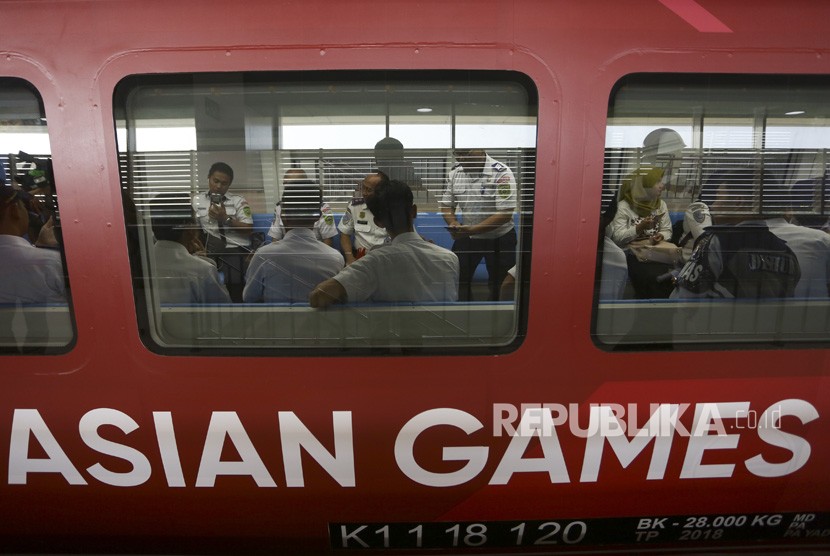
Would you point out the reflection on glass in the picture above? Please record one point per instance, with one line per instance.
(744, 254)
(334, 132)
(34, 292)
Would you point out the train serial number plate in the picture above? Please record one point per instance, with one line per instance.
(777, 528)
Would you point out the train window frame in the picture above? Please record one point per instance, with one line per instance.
(407, 328)
(627, 324)
(44, 327)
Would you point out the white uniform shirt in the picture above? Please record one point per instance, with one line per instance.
(812, 249)
(29, 274)
(360, 221)
(235, 206)
(179, 277)
(480, 196)
(408, 269)
(324, 228)
(287, 270)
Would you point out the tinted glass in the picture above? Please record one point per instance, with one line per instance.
(215, 270)
(715, 212)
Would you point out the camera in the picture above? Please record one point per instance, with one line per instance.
(216, 199)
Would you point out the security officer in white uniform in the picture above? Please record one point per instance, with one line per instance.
(227, 222)
(485, 192)
(359, 220)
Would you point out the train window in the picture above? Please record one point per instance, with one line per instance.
(271, 213)
(35, 314)
(714, 228)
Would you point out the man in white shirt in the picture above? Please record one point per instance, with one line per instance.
(324, 228)
(812, 249)
(286, 271)
(228, 222)
(484, 190)
(739, 257)
(408, 269)
(178, 274)
(27, 274)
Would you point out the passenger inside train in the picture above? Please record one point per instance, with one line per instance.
(181, 271)
(389, 159)
(478, 205)
(227, 222)
(359, 233)
(408, 269)
(286, 271)
(28, 274)
(642, 228)
(324, 228)
(738, 257)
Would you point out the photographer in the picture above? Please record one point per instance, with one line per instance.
(35, 179)
(227, 222)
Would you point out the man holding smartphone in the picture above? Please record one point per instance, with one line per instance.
(227, 222)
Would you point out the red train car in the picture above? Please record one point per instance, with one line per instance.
(574, 415)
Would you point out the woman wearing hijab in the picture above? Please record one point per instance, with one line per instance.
(643, 218)
(641, 213)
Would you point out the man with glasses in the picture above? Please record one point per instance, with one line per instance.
(484, 191)
(359, 220)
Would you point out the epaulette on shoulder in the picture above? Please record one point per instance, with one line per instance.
(499, 167)
(357, 201)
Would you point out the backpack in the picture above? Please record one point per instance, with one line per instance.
(755, 264)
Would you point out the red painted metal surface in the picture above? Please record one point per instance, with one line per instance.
(76, 52)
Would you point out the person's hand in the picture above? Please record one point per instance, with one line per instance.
(217, 212)
(196, 247)
(458, 231)
(46, 237)
(645, 224)
(656, 238)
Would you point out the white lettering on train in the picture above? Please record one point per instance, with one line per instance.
(89, 425)
(475, 456)
(28, 422)
(224, 425)
(294, 434)
(606, 424)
